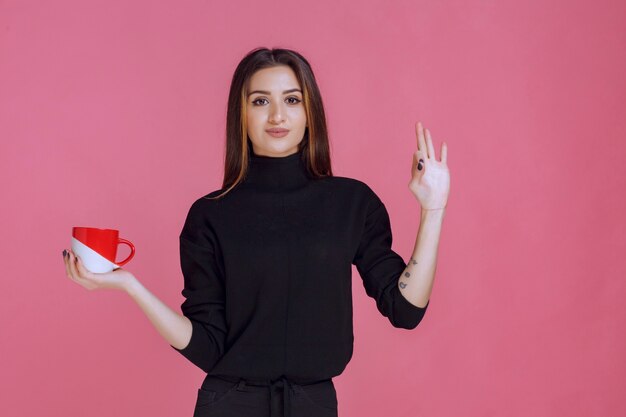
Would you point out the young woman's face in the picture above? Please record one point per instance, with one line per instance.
(275, 102)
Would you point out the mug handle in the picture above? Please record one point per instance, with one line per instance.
(132, 250)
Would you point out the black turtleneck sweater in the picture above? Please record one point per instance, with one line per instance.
(268, 271)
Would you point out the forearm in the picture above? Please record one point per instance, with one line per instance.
(174, 327)
(416, 282)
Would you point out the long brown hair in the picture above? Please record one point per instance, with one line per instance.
(314, 144)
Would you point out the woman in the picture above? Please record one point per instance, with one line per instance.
(267, 258)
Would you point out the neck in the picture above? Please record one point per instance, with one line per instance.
(277, 173)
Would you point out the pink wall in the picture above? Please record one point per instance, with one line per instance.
(112, 114)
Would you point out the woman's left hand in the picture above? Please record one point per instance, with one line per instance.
(430, 179)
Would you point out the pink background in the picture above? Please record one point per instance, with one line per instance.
(112, 115)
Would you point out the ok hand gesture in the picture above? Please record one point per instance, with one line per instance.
(430, 179)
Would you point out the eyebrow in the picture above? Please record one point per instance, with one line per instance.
(268, 93)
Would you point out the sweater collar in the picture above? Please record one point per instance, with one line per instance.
(277, 173)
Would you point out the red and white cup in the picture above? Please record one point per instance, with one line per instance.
(97, 248)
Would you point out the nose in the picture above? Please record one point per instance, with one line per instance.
(276, 113)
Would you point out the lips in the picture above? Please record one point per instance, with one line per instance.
(277, 132)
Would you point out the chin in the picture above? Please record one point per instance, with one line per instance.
(280, 144)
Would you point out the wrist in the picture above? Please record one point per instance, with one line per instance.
(434, 209)
(131, 284)
(432, 213)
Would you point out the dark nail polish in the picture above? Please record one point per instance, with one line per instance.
(64, 253)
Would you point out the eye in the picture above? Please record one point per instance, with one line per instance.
(296, 100)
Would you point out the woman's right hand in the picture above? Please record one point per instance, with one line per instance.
(118, 279)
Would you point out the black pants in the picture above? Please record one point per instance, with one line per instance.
(236, 397)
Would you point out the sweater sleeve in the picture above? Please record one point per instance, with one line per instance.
(203, 292)
(380, 269)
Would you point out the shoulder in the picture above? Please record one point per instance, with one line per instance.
(211, 196)
(359, 191)
(348, 183)
(204, 205)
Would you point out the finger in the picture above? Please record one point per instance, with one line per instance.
(71, 272)
(74, 274)
(417, 135)
(84, 272)
(66, 261)
(421, 142)
(444, 152)
(419, 158)
(429, 144)
(87, 278)
(73, 269)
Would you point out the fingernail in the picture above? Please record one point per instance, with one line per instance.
(64, 253)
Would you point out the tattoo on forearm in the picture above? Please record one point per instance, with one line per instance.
(407, 273)
(413, 262)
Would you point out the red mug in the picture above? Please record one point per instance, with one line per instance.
(97, 248)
